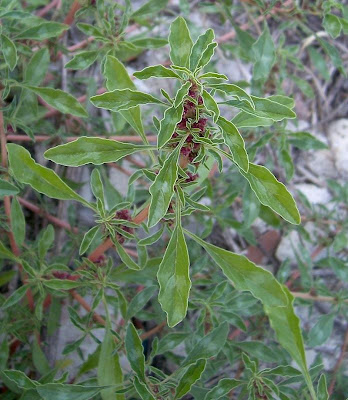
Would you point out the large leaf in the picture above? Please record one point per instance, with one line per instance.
(109, 370)
(58, 391)
(46, 30)
(234, 91)
(123, 99)
(235, 143)
(180, 43)
(174, 279)
(272, 193)
(117, 78)
(222, 389)
(62, 101)
(36, 70)
(190, 377)
(89, 150)
(162, 189)
(276, 299)
(40, 178)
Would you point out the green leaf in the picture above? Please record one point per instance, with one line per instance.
(140, 300)
(125, 258)
(322, 392)
(61, 101)
(46, 30)
(135, 352)
(285, 100)
(246, 120)
(210, 105)
(90, 150)
(170, 341)
(174, 278)
(222, 389)
(264, 55)
(190, 377)
(162, 189)
(151, 239)
(272, 193)
(5, 253)
(97, 185)
(235, 91)
(172, 116)
(149, 8)
(109, 370)
(235, 143)
(150, 42)
(123, 99)
(82, 60)
(181, 93)
(209, 346)
(321, 331)
(58, 391)
(334, 54)
(117, 78)
(332, 25)
(9, 52)
(88, 239)
(251, 207)
(91, 30)
(6, 277)
(245, 275)
(15, 297)
(200, 47)
(267, 108)
(156, 71)
(207, 55)
(276, 299)
(180, 43)
(61, 284)
(305, 141)
(36, 70)
(142, 390)
(20, 379)
(17, 222)
(46, 240)
(42, 179)
(7, 189)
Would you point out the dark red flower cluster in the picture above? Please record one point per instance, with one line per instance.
(123, 214)
(191, 177)
(64, 275)
(190, 149)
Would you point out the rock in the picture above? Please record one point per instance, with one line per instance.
(314, 194)
(338, 137)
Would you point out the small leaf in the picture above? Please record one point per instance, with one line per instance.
(91, 150)
(20, 379)
(235, 143)
(180, 43)
(125, 258)
(62, 101)
(246, 120)
(135, 352)
(150, 42)
(142, 390)
(140, 300)
(97, 185)
(210, 105)
(156, 71)
(222, 389)
(264, 55)
(15, 297)
(199, 47)
(172, 116)
(17, 222)
(123, 99)
(9, 51)
(190, 377)
(272, 193)
(61, 284)
(174, 279)
(7, 189)
(209, 346)
(207, 55)
(149, 8)
(151, 239)
(82, 60)
(332, 25)
(181, 93)
(162, 189)
(305, 141)
(322, 392)
(46, 30)
(46, 240)
(36, 70)
(88, 239)
(321, 331)
(235, 91)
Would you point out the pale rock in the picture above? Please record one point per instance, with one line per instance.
(314, 194)
(338, 137)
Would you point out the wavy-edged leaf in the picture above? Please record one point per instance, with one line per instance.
(235, 143)
(90, 150)
(9, 52)
(62, 101)
(58, 391)
(123, 99)
(235, 91)
(180, 42)
(156, 71)
(222, 388)
(150, 8)
(82, 60)
(135, 352)
(42, 179)
(201, 44)
(46, 30)
(190, 377)
(246, 120)
(272, 193)
(172, 116)
(264, 55)
(207, 55)
(210, 105)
